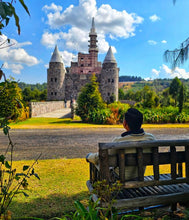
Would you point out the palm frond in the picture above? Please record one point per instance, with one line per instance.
(177, 56)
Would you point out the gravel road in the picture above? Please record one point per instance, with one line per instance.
(71, 143)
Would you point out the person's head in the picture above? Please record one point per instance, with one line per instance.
(133, 120)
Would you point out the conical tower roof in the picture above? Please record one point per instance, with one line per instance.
(110, 57)
(56, 56)
(93, 31)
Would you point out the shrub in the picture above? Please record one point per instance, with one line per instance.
(99, 116)
(10, 100)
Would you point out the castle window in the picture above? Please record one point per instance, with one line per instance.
(81, 58)
(108, 80)
(51, 79)
(51, 93)
(81, 71)
(55, 79)
(55, 93)
(112, 80)
(81, 64)
(89, 64)
(89, 71)
(108, 94)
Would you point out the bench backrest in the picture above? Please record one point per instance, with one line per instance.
(177, 155)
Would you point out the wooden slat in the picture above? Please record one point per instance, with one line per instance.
(151, 200)
(173, 162)
(187, 161)
(143, 144)
(121, 156)
(131, 159)
(155, 163)
(138, 184)
(140, 164)
(104, 165)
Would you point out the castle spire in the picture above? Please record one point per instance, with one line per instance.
(110, 57)
(93, 39)
(93, 31)
(56, 58)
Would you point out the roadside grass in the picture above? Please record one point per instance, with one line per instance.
(62, 181)
(56, 123)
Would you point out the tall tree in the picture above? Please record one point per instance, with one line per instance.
(181, 98)
(89, 100)
(174, 89)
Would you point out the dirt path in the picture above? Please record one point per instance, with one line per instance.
(71, 143)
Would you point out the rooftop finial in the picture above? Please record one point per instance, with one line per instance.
(93, 26)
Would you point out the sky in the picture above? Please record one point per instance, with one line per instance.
(139, 32)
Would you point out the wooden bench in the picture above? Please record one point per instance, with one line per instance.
(158, 189)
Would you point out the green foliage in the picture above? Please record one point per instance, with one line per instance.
(7, 10)
(164, 115)
(99, 116)
(10, 100)
(12, 182)
(34, 95)
(121, 94)
(89, 100)
(181, 98)
(174, 89)
(38, 86)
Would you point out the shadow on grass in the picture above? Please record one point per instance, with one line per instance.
(66, 121)
(55, 205)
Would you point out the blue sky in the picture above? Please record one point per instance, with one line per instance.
(139, 32)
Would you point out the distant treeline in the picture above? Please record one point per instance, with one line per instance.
(37, 86)
(130, 78)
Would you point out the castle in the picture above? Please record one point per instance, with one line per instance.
(62, 84)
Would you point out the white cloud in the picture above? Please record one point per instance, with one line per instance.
(152, 42)
(73, 25)
(154, 18)
(15, 68)
(163, 41)
(165, 72)
(68, 57)
(52, 7)
(15, 57)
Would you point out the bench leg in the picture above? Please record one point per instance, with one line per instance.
(173, 207)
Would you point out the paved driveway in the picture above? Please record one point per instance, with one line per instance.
(71, 143)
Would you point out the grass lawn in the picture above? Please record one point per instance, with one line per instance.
(55, 123)
(62, 182)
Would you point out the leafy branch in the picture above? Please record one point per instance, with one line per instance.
(179, 55)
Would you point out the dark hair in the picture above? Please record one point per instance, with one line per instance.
(134, 119)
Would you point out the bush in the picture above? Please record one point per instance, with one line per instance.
(10, 100)
(99, 116)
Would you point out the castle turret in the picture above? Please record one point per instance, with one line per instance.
(93, 49)
(55, 77)
(109, 78)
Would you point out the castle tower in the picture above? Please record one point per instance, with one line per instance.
(109, 77)
(93, 49)
(56, 78)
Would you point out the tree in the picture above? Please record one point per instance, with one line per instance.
(10, 100)
(89, 100)
(181, 97)
(121, 94)
(174, 89)
(179, 55)
(7, 11)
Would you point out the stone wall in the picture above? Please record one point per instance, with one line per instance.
(38, 108)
